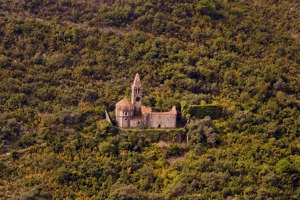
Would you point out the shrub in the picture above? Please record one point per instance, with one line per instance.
(200, 111)
(284, 166)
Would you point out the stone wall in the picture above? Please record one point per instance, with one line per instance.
(136, 122)
(123, 117)
(157, 120)
(123, 121)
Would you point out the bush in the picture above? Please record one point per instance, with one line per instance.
(17, 100)
(200, 111)
(284, 166)
(62, 175)
(174, 150)
(123, 192)
(2, 168)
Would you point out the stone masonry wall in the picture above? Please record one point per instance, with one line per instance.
(157, 120)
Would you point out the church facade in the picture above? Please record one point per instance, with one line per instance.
(134, 114)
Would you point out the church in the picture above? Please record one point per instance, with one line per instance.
(134, 114)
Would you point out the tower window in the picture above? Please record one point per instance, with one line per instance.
(125, 113)
(125, 119)
(137, 99)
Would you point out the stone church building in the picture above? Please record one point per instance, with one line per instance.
(133, 114)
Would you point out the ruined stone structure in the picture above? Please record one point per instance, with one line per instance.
(133, 114)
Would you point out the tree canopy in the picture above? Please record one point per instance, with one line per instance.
(63, 62)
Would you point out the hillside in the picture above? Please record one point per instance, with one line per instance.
(63, 62)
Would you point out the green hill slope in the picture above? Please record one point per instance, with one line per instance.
(63, 62)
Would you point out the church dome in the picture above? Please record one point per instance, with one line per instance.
(124, 104)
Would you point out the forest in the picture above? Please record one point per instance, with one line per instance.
(64, 62)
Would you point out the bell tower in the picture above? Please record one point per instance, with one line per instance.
(136, 93)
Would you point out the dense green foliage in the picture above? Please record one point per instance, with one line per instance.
(200, 111)
(63, 62)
